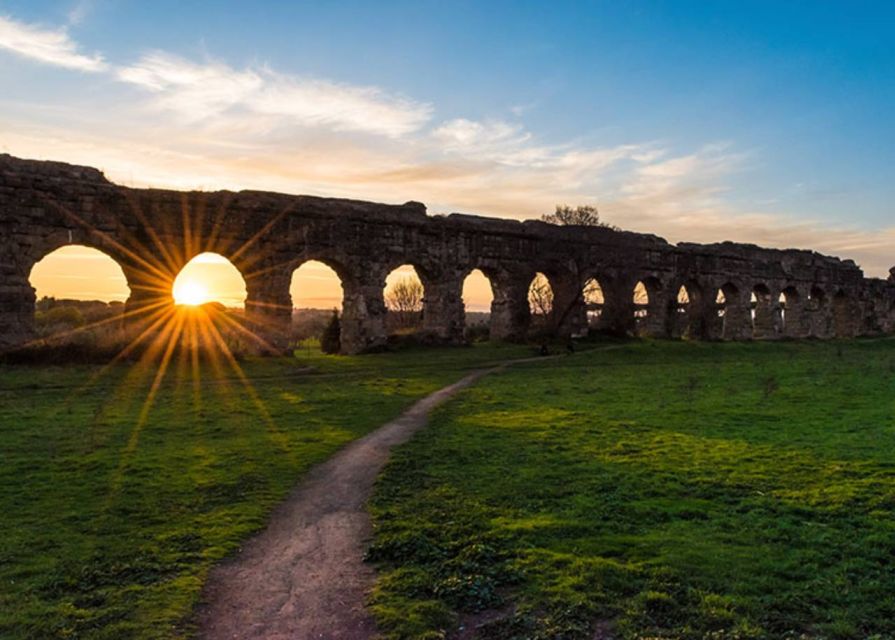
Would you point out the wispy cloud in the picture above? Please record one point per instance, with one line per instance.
(213, 125)
(465, 135)
(49, 46)
(79, 11)
(213, 90)
(509, 146)
(195, 91)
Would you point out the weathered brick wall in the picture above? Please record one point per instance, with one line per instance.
(152, 234)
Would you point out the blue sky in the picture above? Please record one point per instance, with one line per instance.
(768, 122)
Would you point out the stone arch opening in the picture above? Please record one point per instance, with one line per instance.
(789, 303)
(683, 299)
(316, 292)
(594, 303)
(209, 278)
(478, 295)
(404, 296)
(762, 312)
(729, 314)
(641, 300)
(645, 297)
(816, 298)
(687, 322)
(79, 296)
(210, 293)
(540, 303)
(721, 301)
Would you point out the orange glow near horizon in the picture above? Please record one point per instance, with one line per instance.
(190, 292)
(80, 273)
(209, 277)
(315, 285)
(184, 342)
(477, 292)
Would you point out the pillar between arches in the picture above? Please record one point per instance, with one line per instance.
(268, 313)
(363, 314)
(737, 321)
(656, 322)
(16, 311)
(569, 307)
(510, 312)
(149, 301)
(795, 323)
(764, 322)
(617, 316)
(443, 311)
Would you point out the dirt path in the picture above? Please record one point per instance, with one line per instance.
(304, 576)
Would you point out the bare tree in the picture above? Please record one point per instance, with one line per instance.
(405, 299)
(593, 292)
(583, 215)
(540, 296)
(593, 301)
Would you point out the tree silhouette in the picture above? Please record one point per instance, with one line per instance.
(405, 299)
(583, 215)
(331, 340)
(540, 296)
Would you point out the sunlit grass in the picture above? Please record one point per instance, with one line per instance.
(119, 487)
(665, 490)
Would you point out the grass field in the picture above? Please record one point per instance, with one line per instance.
(114, 508)
(654, 490)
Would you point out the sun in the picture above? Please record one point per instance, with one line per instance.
(190, 292)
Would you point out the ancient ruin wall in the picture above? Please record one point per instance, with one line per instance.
(153, 233)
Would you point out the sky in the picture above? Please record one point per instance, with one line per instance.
(764, 122)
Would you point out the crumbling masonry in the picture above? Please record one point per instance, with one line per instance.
(153, 233)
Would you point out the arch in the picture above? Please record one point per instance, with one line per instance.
(645, 296)
(730, 314)
(687, 320)
(315, 292)
(723, 297)
(683, 298)
(404, 295)
(817, 323)
(79, 272)
(209, 277)
(540, 302)
(789, 296)
(789, 304)
(594, 302)
(478, 295)
(641, 300)
(816, 298)
(79, 294)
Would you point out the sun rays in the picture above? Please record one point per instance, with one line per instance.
(190, 292)
(176, 336)
(175, 333)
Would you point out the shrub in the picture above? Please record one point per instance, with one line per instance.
(331, 339)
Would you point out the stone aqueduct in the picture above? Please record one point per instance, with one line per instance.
(151, 234)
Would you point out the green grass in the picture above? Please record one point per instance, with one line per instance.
(110, 522)
(655, 490)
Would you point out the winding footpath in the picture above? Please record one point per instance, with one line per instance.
(303, 577)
